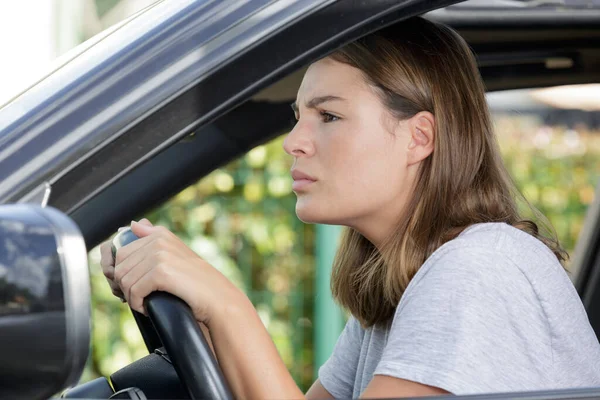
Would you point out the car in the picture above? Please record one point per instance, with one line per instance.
(177, 91)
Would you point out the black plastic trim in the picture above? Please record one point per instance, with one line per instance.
(517, 17)
(98, 388)
(153, 374)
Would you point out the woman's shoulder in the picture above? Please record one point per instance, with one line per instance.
(493, 251)
(505, 240)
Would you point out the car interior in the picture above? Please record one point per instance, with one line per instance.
(517, 45)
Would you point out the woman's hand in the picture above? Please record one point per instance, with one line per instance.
(108, 264)
(160, 261)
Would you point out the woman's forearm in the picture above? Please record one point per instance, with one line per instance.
(248, 357)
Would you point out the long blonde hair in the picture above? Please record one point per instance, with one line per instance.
(418, 66)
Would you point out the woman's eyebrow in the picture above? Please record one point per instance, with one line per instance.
(316, 101)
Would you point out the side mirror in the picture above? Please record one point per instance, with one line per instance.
(44, 302)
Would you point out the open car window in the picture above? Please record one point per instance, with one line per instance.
(550, 139)
(241, 218)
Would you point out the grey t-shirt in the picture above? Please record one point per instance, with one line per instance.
(490, 311)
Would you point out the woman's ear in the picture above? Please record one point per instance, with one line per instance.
(422, 136)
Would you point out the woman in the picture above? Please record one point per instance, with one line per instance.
(450, 290)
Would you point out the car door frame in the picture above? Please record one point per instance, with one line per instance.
(83, 187)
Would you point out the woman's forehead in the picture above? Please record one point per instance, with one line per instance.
(328, 77)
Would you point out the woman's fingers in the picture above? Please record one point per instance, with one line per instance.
(147, 233)
(154, 279)
(108, 268)
(155, 248)
(116, 290)
(106, 260)
(143, 265)
(157, 251)
(130, 249)
(124, 267)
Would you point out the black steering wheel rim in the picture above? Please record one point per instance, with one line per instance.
(173, 323)
(186, 346)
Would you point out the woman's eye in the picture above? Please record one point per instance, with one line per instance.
(328, 117)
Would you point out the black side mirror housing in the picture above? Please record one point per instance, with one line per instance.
(44, 302)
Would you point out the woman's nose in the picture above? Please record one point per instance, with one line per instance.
(299, 141)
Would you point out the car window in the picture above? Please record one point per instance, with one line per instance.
(241, 218)
(550, 140)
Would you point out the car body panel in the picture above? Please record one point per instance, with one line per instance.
(101, 138)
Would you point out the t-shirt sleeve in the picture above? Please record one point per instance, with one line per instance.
(338, 373)
(470, 323)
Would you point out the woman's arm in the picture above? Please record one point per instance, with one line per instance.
(254, 370)
(247, 356)
(318, 392)
(387, 386)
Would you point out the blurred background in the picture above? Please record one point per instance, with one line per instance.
(241, 217)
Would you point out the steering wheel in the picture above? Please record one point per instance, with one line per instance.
(171, 321)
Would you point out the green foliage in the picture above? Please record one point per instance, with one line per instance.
(241, 219)
(555, 168)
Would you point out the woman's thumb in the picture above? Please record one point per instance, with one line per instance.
(145, 221)
(140, 229)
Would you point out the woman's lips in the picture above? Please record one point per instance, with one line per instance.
(301, 180)
(300, 184)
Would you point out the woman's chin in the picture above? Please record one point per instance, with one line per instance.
(307, 217)
(306, 213)
(311, 214)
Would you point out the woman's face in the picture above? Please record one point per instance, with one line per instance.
(352, 151)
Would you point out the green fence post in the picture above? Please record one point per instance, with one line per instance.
(329, 320)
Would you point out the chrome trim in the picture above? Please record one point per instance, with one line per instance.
(39, 195)
(72, 252)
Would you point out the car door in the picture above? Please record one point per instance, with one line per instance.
(141, 116)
